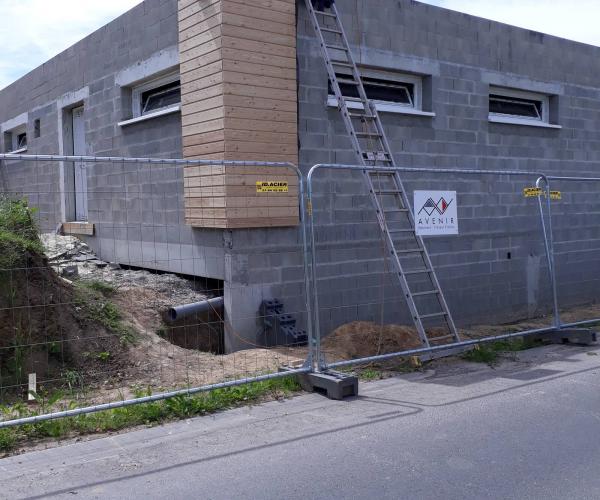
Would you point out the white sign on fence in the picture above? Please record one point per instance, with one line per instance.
(435, 213)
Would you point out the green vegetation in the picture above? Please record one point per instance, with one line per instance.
(369, 374)
(106, 289)
(385, 369)
(489, 352)
(142, 414)
(18, 232)
(92, 297)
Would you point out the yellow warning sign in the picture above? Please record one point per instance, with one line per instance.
(271, 187)
(555, 195)
(532, 192)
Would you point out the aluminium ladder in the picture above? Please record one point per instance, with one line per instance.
(394, 214)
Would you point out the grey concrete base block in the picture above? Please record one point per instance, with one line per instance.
(334, 385)
(580, 336)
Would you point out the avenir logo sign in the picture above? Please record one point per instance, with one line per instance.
(435, 213)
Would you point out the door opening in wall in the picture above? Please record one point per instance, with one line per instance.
(79, 169)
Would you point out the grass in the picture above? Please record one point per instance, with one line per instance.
(92, 296)
(143, 414)
(489, 352)
(18, 232)
(386, 369)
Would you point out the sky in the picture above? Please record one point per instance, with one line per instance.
(33, 31)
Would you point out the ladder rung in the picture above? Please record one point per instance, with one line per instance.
(388, 191)
(428, 292)
(412, 250)
(326, 14)
(336, 47)
(330, 30)
(433, 315)
(368, 134)
(441, 337)
(395, 210)
(354, 114)
(417, 271)
(376, 153)
(347, 81)
(401, 230)
(342, 63)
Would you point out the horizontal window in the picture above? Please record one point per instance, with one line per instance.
(151, 97)
(382, 87)
(161, 97)
(518, 107)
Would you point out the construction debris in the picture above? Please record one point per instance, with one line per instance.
(73, 259)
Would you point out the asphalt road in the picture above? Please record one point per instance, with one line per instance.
(527, 429)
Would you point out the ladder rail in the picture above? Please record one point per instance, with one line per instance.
(371, 116)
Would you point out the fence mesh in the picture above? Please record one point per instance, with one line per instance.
(575, 209)
(494, 273)
(85, 305)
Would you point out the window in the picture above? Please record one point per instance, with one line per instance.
(519, 107)
(157, 97)
(161, 97)
(15, 141)
(21, 142)
(379, 90)
(390, 91)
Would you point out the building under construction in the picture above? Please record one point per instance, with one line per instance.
(265, 80)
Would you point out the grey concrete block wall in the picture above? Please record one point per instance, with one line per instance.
(494, 271)
(135, 209)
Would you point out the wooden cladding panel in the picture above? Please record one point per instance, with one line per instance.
(239, 102)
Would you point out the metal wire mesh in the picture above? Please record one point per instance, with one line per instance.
(494, 274)
(87, 279)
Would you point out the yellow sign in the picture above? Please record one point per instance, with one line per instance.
(532, 192)
(271, 187)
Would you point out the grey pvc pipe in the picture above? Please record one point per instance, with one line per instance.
(179, 312)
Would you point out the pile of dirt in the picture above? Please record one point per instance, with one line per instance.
(47, 326)
(363, 338)
(43, 329)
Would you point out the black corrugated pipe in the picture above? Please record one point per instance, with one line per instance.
(178, 312)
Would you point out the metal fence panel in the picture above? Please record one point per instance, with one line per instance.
(86, 319)
(494, 272)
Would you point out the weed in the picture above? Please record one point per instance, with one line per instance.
(103, 356)
(18, 232)
(143, 414)
(8, 439)
(90, 296)
(489, 352)
(370, 374)
(106, 289)
(74, 381)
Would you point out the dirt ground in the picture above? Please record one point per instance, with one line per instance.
(157, 363)
(153, 362)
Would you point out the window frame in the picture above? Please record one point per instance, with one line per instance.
(544, 99)
(14, 139)
(138, 90)
(395, 77)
